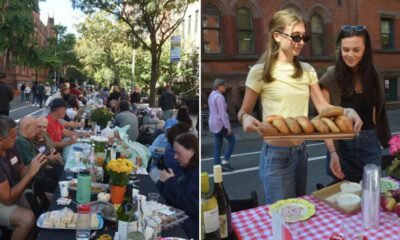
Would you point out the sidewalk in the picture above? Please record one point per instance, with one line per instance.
(207, 137)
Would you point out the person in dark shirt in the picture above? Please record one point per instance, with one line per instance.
(183, 191)
(22, 92)
(14, 178)
(34, 94)
(167, 102)
(114, 95)
(6, 96)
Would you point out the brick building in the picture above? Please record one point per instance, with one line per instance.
(25, 74)
(234, 34)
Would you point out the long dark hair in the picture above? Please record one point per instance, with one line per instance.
(366, 70)
(190, 141)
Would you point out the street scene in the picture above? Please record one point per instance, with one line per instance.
(99, 119)
(300, 119)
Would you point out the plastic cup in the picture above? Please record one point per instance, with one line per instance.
(63, 188)
(153, 199)
(77, 156)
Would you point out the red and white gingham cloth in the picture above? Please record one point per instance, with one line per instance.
(255, 224)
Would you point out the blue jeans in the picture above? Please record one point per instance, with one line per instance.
(283, 171)
(218, 139)
(355, 153)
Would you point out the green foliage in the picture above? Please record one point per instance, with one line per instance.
(147, 20)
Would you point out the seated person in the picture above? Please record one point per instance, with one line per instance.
(126, 117)
(183, 192)
(55, 129)
(28, 129)
(159, 144)
(73, 111)
(169, 155)
(14, 178)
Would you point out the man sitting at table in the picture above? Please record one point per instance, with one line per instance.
(14, 178)
(48, 177)
(55, 129)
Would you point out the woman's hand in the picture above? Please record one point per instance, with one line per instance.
(334, 165)
(165, 175)
(250, 124)
(353, 115)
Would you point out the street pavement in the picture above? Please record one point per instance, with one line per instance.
(20, 109)
(245, 160)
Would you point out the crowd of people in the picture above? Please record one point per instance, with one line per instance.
(31, 153)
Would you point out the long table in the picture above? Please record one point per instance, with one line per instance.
(145, 185)
(255, 223)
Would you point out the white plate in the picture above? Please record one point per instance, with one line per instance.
(40, 221)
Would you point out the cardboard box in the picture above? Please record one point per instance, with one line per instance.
(329, 194)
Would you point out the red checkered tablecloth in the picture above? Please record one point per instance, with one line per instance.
(255, 224)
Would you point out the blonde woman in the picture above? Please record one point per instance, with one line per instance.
(284, 86)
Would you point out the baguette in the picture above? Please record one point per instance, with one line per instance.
(271, 118)
(331, 125)
(344, 124)
(305, 124)
(280, 124)
(332, 111)
(293, 125)
(267, 129)
(320, 125)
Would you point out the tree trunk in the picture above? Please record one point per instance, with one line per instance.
(155, 68)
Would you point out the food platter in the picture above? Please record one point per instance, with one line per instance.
(310, 136)
(42, 217)
(95, 187)
(305, 209)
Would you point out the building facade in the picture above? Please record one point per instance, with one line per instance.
(18, 74)
(234, 36)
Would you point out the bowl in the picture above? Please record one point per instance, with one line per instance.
(351, 187)
(348, 201)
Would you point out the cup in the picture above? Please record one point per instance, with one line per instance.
(371, 196)
(153, 199)
(69, 174)
(77, 156)
(63, 188)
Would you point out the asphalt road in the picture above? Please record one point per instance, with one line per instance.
(19, 110)
(245, 160)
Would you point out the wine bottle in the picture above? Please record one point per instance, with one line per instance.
(224, 207)
(209, 211)
(92, 163)
(126, 214)
(106, 176)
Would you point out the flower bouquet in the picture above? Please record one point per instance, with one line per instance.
(394, 149)
(119, 170)
(101, 116)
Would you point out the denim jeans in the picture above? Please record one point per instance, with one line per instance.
(283, 171)
(218, 139)
(355, 153)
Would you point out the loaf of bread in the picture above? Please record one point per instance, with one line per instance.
(331, 125)
(344, 124)
(332, 111)
(280, 124)
(320, 125)
(294, 127)
(267, 129)
(271, 118)
(305, 124)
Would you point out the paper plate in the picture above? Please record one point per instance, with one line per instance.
(293, 209)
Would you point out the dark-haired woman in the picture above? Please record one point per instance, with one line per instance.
(354, 82)
(183, 192)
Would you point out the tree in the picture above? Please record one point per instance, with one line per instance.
(156, 20)
(16, 30)
(102, 49)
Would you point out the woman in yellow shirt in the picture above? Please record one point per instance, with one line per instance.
(284, 85)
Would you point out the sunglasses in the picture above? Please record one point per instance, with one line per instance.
(357, 28)
(296, 38)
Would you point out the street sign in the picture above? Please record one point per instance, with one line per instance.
(175, 54)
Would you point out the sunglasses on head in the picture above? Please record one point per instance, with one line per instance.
(296, 38)
(357, 28)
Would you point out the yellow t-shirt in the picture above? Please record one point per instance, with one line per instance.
(285, 96)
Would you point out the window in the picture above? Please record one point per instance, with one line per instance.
(189, 24)
(244, 27)
(317, 35)
(211, 29)
(387, 36)
(196, 21)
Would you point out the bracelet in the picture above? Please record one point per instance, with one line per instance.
(333, 151)
(241, 117)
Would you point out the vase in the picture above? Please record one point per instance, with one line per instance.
(117, 194)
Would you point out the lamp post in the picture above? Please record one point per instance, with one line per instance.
(55, 68)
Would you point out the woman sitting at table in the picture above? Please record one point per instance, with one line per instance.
(183, 192)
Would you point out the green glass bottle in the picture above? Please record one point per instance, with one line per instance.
(125, 213)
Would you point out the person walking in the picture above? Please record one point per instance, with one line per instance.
(167, 102)
(22, 92)
(27, 92)
(48, 92)
(34, 94)
(40, 93)
(6, 96)
(219, 124)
